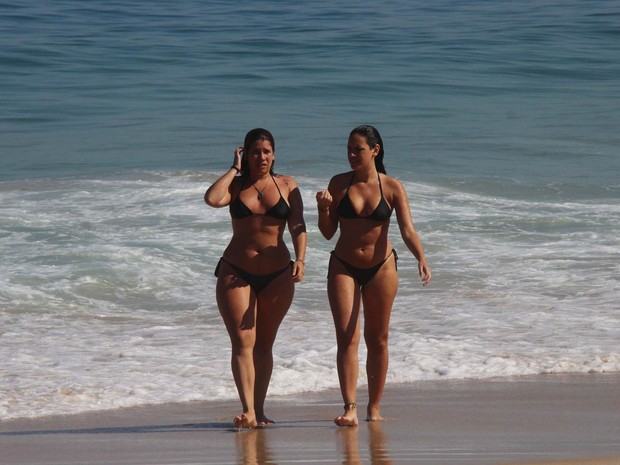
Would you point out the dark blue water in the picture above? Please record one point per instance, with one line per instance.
(461, 90)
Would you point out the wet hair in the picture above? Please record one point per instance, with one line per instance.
(250, 138)
(373, 138)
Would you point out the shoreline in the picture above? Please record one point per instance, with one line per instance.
(553, 418)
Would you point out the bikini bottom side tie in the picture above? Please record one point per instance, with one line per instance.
(363, 275)
(256, 282)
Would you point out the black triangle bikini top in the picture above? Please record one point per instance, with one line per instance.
(281, 210)
(382, 212)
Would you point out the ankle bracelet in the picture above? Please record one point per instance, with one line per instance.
(352, 405)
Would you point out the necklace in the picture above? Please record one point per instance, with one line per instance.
(261, 191)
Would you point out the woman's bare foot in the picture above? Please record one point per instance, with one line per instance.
(373, 414)
(264, 421)
(244, 421)
(350, 415)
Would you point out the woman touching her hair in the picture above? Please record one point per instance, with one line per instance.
(256, 275)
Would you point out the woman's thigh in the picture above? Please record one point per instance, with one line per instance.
(273, 302)
(237, 305)
(378, 297)
(344, 299)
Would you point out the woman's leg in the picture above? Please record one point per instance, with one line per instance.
(378, 296)
(344, 300)
(273, 304)
(237, 304)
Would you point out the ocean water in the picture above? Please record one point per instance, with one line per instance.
(500, 119)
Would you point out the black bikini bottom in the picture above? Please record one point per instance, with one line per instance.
(363, 275)
(256, 282)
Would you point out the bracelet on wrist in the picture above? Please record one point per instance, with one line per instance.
(324, 209)
(233, 167)
(300, 261)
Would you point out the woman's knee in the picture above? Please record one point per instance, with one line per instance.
(347, 340)
(242, 342)
(376, 341)
(262, 351)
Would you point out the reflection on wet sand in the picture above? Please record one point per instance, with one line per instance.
(377, 445)
(253, 444)
(348, 438)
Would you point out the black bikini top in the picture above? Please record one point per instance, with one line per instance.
(280, 210)
(382, 212)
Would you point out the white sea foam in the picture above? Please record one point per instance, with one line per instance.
(107, 294)
(106, 284)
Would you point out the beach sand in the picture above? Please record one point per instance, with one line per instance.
(545, 419)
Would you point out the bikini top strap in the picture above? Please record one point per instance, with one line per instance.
(239, 191)
(350, 182)
(380, 186)
(274, 181)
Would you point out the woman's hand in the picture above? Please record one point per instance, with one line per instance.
(237, 159)
(328, 222)
(425, 272)
(323, 200)
(298, 271)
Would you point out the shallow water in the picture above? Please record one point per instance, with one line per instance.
(498, 118)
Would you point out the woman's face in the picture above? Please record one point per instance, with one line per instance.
(260, 157)
(359, 152)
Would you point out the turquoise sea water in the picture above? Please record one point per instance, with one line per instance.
(499, 117)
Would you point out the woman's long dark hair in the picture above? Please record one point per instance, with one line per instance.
(373, 138)
(253, 136)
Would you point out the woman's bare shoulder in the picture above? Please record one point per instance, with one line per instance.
(284, 180)
(393, 189)
(338, 180)
(390, 182)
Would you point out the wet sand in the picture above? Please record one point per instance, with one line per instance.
(546, 419)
